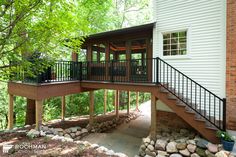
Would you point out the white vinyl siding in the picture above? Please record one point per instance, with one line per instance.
(204, 21)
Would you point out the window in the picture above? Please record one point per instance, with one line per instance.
(175, 43)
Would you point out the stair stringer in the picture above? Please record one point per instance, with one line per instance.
(188, 117)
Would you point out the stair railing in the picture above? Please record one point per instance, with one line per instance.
(195, 97)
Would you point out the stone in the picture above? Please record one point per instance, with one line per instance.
(222, 153)
(152, 143)
(120, 155)
(150, 147)
(175, 155)
(209, 154)
(195, 155)
(101, 149)
(78, 133)
(212, 148)
(146, 140)
(73, 129)
(191, 148)
(67, 135)
(84, 131)
(181, 146)
(94, 146)
(110, 153)
(58, 129)
(141, 153)
(160, 144)
(72, 135)
(201, 152)
(143, 147)
(42, 133)
(191, 142)
(162, 153)
(147, 156)
(171, 147)
(150, 153)
(181, 140)
(33, 133)
(184, 152)
(67, 139)
(67, 130)
(202, 143)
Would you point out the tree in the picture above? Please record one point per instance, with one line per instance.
(29, 26)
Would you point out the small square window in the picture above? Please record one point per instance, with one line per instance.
(175, 43)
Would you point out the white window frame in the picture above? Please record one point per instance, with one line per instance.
(187, 55)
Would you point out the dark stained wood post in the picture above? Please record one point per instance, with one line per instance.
(91, 108)
(89, 52)
(128, 58)
(30, 112)
(153, 116)
(105, 101)
(128, 103)
(63, 107)
(74, 56)
(107, 59)
(117, 103)
(149, 59)
(10, 111)
(38, 117)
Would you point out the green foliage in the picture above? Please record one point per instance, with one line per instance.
(224, 135)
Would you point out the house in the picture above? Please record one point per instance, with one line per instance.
(186, 59)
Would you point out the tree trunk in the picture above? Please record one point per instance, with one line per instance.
(30, 112)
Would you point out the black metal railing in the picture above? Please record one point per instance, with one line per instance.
(196, 97)
(154, 70)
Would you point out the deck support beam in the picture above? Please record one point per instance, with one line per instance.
(10, 112)
(63, 108)
(39, 110)
(117, 103)
(30, 112)
(153, 116)
(128, 104)
(137, 101)
(91, 108)
(105, 101)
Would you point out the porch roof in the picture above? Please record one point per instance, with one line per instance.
(123, 31)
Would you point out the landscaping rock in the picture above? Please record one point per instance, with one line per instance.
(160, 144)
(84, 131)
(191, 148)
(201, 152)
(33, 133)
(209, 154)
(212, 148)
(176, 155)
(150, 147)
(162, 153)
(171, 147)
(73, 129)
(202, 143)
(184, 152)
(146, 140)
(143, 147)
(222, 153)
(181, 146)
(195, 155)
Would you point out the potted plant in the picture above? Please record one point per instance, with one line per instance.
(226, 140)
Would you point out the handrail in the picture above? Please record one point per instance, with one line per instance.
(191, 93)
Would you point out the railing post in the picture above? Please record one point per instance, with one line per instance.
(157, 70)
(224, 114)
(80, 71)
(112, 67)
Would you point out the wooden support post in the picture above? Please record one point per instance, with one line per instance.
(63, 108)
(105, 101)
(153, 116)
(39, 110)
(89, 52)
(30, 112)
(117, 103)
(10, 111)
(91, 108)
(137, 101)
(74, 56)
(107, 59)
(128, 104)
(128, 58)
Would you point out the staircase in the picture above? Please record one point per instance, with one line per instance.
(199, 107)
